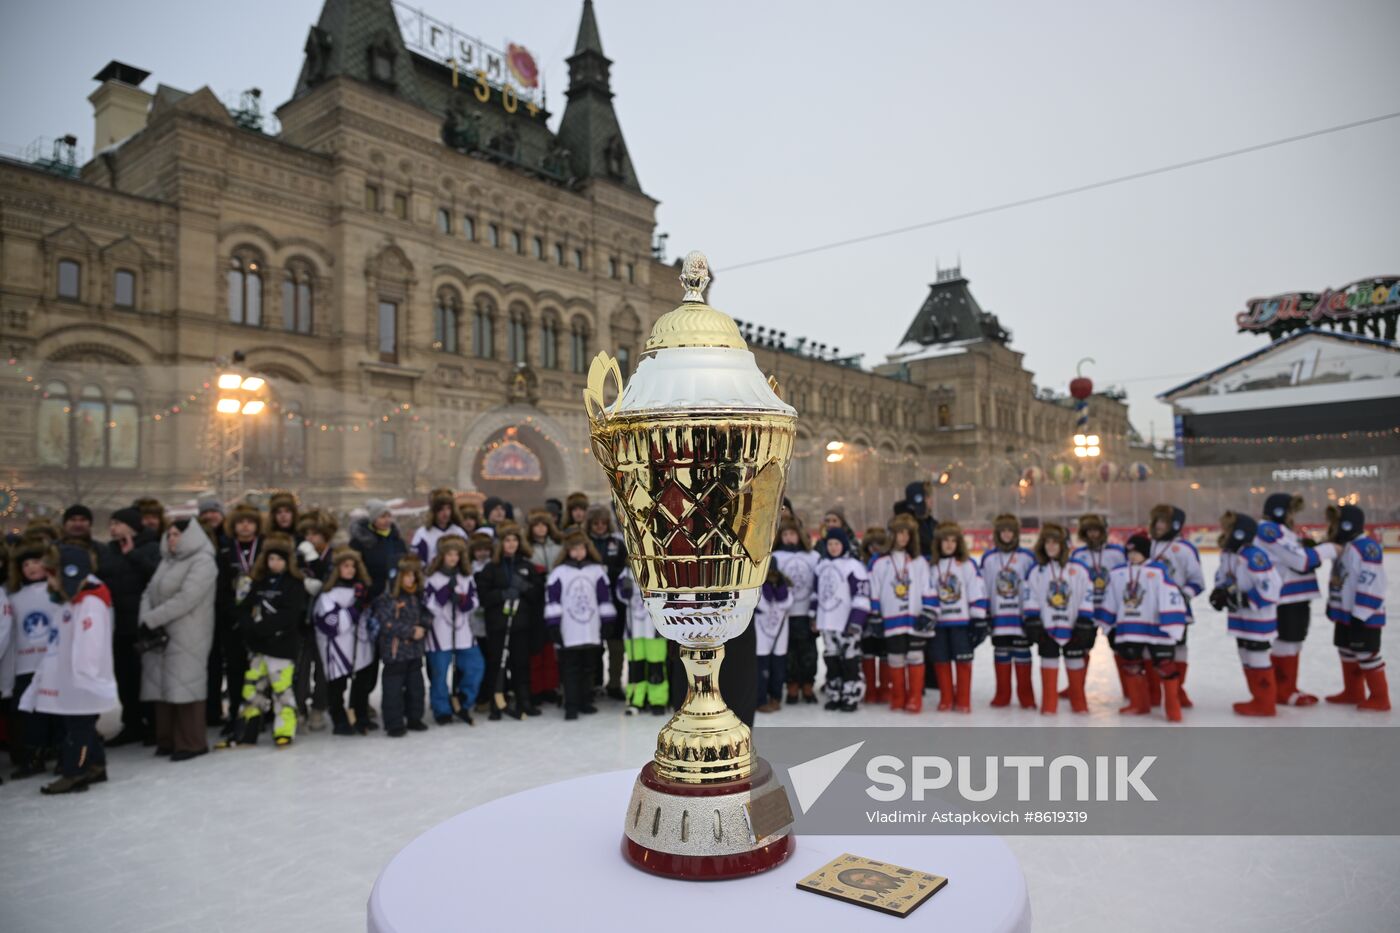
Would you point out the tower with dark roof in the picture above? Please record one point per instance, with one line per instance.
(950, 313)
(589, 128)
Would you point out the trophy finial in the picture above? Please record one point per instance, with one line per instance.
(695, 275)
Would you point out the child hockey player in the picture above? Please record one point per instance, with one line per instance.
(74, 681)
(511, 590)
(317, 528)
(1296, 561)
(646, 652)
(442, 520)
(450, 594)
(480, 547)
(1005, 568)
(1183, 565)
(34, 624)
(843, 602)
(1356, 604)
(270, 622)
(1147, 614)
(955, 604)
(1247, 587)
(897, 586)
(1100, 558)
(873, 546)
(578, 599)
(343, 638)
(796, 561)
(770, 622)
(403, 625)
(1059, 618)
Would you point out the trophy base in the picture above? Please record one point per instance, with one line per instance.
(706, 832)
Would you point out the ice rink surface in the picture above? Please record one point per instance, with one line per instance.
(271, 840)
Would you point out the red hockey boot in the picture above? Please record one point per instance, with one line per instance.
(896, 678)
(915, 703)
(1003, 694)
(1122, 677)
(867, 668)
(962, 703)
(1261, 687)
(885, 675)
(1025, 689)
(1171, 698)
(1379, 700)
(943, 673)
(1049, 699)
(1353, 685)
(1077, 701)
(1154, 686)
(1181, 686)
(1136, 682)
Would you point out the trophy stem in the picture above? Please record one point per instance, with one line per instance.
(705, 742)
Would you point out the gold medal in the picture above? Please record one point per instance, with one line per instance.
(901, 590)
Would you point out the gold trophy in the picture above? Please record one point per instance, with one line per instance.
(696, 449)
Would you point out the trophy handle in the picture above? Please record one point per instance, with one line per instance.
(773, 384)
(598, 372)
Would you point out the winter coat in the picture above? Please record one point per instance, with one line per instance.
(75, 677)
(500, 581)
(272, 616)
(395, 618)
(127, 575)
(545, 554)
(380, 552)
(180, 599)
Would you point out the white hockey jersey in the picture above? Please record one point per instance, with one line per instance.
(1142, 605)
(639, 622)
(35, 625)
(1356, 590)
(1251, 573)
(450, 599)
(578, 600)
(425, 540)
(956, 592)
(843, 594)
(1100, 562)
(1182, 562)
(75, 677)
(7, 643)
(800, 567)
(1295, 562)
(771, 618)
(342, 632)
(1059, 595)
(1004, 575)
(897, 586)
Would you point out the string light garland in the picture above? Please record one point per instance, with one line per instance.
(1290, 438)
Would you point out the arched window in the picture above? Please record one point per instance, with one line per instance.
(447, 315)
(559, 254)
(92, 433)
(537, 247)
(444, 217)
(578, 259)
(484, 328)
(469, 227)
(549, 341)
(124, 289)
(518, 337)
(70, 279)
(245, 289)
(578, 345)
(517, 242)
(298, 284)
(55, 425)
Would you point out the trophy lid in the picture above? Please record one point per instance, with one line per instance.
(696, 358)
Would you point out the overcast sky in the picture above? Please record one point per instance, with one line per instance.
(768, 127)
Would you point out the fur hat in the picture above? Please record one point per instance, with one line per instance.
(542, 517)
(789, 523)
(453, 543)
(949, 530)
(480, 541)
(1003, 522)
(282, 499)
(576, 500)
(1282, 506)
(1091, 520)
(1173, 516)
(409, 564)
(468, 513)
(1048, 532)
(1139, 543)
(151, 506)
(494, 502)
(282, 545)
(512, 529)
(242, 512)
(909, 523)
(596, 513)
(1345, 523)
(317, 521)
(348, 553)
(573, 537)
(438, 499)
(876, 542)
(29, 547)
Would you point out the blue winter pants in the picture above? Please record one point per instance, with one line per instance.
(471, 667)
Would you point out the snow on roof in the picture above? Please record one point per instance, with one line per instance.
(911, 350)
